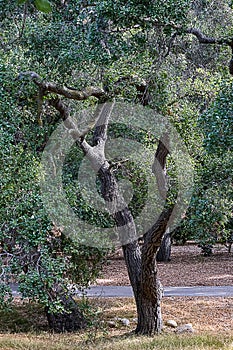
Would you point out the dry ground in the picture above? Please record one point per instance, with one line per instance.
(207, 315)
(188, 267)
(212, 318)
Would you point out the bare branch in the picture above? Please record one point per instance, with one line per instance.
(159, 165)
(203, 39)
(63, 90)
(103, 113)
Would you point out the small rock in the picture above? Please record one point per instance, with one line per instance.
(171, 323)
(125, 321)
(186, 328)
(111, 324)
(135, 320)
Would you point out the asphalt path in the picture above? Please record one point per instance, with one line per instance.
(126, 291)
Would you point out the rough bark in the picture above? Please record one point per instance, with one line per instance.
(141, 264)
(164, 252)
(159, 165)
(159, 169)
(151, 291)
(149, 309)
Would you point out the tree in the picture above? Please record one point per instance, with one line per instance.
(140, 263)
(213, 202)
(33, 250)
(115, 40)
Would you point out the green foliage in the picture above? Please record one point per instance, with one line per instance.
(217, 122)
(211, 207)
(105, 43)
(33, 250)
(41, 5)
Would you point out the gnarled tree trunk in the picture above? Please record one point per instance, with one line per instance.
(142, 270)
(149, 309)
(141, 264)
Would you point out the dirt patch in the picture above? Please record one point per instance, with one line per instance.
(205, 314)
(211, 315)
(188, 267)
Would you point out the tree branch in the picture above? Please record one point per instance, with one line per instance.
(203, 39)
(170, 44)
(103, 113)
(68, 122)
(153, 237)
(60, 107)
(63, 90)
(159, 165)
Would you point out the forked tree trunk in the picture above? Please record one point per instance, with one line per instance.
(141, 265)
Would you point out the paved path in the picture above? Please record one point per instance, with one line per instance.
(126, 291)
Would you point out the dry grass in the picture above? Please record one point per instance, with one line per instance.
(212, 315)
(212, 318)
(25, 327)
(74, 342)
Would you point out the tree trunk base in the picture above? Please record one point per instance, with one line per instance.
(149, 312)
(70, 320)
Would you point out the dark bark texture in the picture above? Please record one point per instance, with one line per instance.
(164, 252)
(69, 320)
(140, 262)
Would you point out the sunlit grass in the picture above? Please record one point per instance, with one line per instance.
(46, 341)
(25, 327)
